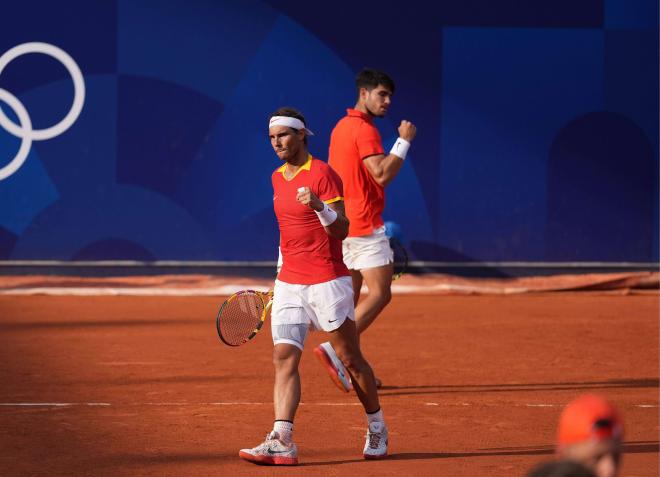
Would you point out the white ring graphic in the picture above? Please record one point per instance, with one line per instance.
(26, 141)
(78, 89)
(25, 131)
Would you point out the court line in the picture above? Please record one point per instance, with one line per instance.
(106, 404)
(52, 404)
(249, 403)
(132, 363)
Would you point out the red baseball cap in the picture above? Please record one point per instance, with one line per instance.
(589, 417)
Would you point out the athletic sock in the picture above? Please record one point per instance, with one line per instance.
(375, 416)
(285, 430)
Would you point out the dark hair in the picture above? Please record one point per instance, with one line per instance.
(560, 468)
(290, 113)
(369, 78)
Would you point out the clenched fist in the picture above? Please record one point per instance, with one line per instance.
(306, 197)
(407, 130)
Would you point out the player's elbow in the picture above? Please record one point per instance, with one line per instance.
(384, 180)
(377, 174)
(385, 177)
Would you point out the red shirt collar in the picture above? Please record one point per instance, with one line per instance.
(359, 114)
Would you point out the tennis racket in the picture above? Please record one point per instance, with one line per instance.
(242, 315)
(400, 258)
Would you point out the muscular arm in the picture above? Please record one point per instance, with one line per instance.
(383, 168)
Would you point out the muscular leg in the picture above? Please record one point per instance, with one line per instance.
(356, 276)
(344, 340)
(379, 282)
(286, 393)
(278, 448)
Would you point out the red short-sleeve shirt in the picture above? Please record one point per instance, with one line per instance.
(353, 139)
(309, 254)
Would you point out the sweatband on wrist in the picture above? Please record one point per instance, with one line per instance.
(326, 216)
(400, 148)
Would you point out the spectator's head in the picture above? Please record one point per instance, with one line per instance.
(590, 432)
(560, 468)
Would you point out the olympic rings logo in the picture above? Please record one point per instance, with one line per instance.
(24, 131)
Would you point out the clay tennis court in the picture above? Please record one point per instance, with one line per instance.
(474, 384)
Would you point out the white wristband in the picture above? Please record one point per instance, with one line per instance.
(400, 148)
(327, 216)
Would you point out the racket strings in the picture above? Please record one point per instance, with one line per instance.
(240, 316)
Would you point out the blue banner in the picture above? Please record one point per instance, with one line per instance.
(137, 130)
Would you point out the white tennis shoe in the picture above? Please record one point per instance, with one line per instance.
(271, 452)
(376, 445)
(333, 365)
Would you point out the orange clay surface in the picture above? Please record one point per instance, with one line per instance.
(473, 386)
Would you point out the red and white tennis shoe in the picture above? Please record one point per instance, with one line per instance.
(333, 365)
(271, 452)
(376, 445)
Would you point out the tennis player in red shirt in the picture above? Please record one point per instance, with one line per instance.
(313, 290)
(357, 154)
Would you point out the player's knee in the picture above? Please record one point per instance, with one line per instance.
(383, 295)
(283, 359)
(387, 295)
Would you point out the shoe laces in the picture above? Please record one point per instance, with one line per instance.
(272, 438)
(374, 439)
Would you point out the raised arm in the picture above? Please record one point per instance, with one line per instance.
(385, 168)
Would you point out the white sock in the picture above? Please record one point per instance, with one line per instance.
(376, 417)
(285, 430)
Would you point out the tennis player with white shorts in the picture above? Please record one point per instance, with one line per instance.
(357, 154)
(313, 291)
(368, 251)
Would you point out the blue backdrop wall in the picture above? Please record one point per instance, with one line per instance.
(537, 124)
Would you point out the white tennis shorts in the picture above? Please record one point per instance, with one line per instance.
(369, 251)
(297, 308)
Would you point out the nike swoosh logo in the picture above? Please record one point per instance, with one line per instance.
(332, 321)
(276, 452)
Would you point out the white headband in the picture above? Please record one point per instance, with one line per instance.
(287, 121)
